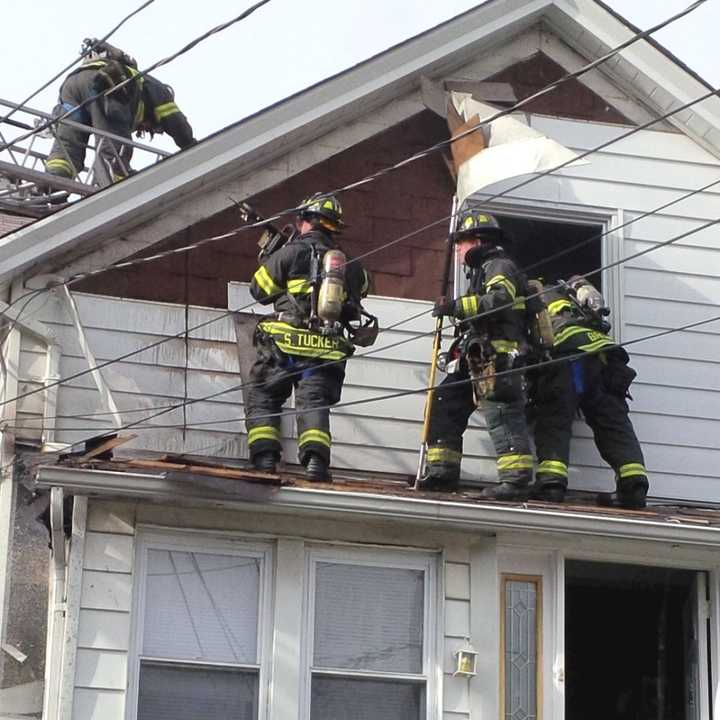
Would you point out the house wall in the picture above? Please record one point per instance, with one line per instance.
(105, 618)
(471, 565)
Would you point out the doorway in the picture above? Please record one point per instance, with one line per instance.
(635, 643)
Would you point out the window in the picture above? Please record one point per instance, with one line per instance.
(520, 638)
(199, 637)
(369, 636)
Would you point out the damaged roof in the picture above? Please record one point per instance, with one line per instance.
(363, 495)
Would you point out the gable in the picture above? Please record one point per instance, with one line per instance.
(571, 99)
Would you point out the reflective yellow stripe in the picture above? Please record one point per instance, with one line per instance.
(557, 306)
(306, 343)
(140, 112)
(632, 469)
(567, 333)
(265, 282)
(515, 462)
(502, 280)
(441, 454)
(365, 284)
(594, 346)
(165, 110)
(299, 286)
(504, 346)
(519, 304)
(62, 165)
(263, 432)
(469, 306)
(553, 467)
(316, 436)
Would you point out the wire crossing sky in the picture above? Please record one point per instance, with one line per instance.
(281, 50)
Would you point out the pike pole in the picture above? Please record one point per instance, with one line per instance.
(437, 340)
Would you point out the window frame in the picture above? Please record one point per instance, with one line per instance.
(537, 580)
(611, 250)
(159, 540)
(432, 623)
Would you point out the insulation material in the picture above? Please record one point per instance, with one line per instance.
(512, 148)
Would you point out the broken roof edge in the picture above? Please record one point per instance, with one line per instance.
(264, 135)
(449, 514)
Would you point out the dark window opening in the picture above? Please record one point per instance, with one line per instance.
(534, 244)
(632, 638)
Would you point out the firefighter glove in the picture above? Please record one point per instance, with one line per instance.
(444, 308)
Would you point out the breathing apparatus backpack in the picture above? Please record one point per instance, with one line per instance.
(332, 306)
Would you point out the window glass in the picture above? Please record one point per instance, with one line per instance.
(368, 618)
(191, 693)
(201, 607)
(521, 656)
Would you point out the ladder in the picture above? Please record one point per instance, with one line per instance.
(26, 189)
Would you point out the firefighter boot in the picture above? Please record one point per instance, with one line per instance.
(547, 491)
(266, 461)
(505, 491)
(317, 469)
(632, 492)
(440, 478)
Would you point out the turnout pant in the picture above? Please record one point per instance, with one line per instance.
(452, 407)
(586, 384)
(273, 377)
(112, 114)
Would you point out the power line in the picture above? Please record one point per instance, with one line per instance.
(240, 386)
(421, 154)
(418, 391)
(74, 62)
(186, 48)
(479, 316)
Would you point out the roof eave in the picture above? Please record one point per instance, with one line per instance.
(361, 506)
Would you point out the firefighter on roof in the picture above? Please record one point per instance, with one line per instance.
(143, 105)
(316, 292)
(484, 346)
(597, 384)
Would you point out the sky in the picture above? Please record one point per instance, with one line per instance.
(282, 48)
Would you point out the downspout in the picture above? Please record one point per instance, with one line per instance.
(10, 355)
(56, 608)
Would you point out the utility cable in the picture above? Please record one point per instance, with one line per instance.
(434, 148)
(72, 64)
(418, 391)
(186, 48)
(415, 337)
(240, 386)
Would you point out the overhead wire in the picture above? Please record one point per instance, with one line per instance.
(416, 156)
(417, 391)
(168, 408)
(73, 63)
(554, 85)
(164, 61)
(240, 386)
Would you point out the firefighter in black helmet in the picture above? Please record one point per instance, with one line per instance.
(596, 383)
(484, 346)
(316, 292)
(143, 105)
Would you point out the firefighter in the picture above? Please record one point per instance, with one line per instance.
(316, 294)
(597, 384)
(146, 105)
(484, 346)
(157, 112)
(102, 69)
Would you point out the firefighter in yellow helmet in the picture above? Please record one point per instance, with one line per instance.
(316, 291)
